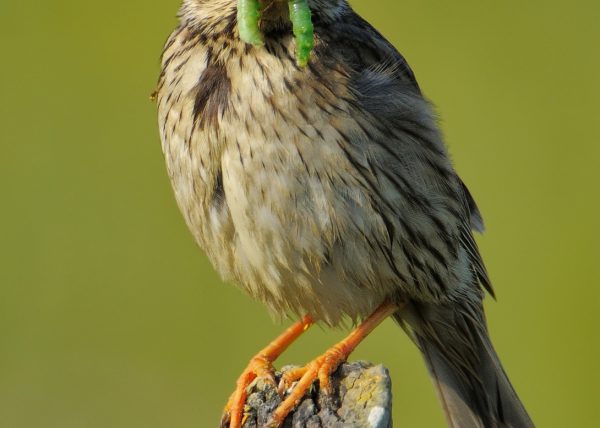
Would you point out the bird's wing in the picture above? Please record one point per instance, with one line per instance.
(396, 144)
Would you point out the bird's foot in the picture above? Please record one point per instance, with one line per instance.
(320, 368)
(261, 366)
(323, 366)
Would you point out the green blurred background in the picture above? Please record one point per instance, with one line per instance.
(111, 317)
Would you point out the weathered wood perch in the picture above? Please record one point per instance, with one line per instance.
(362, 399)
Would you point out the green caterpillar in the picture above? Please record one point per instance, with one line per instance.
(248, 16)
(300, 15)
(303, 30)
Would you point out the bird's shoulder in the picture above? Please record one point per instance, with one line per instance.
(355, 42)
(401, 142)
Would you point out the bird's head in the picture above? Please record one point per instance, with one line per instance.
(257, 18)
(324, 10)
(270, 10)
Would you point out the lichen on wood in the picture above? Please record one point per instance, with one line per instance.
(361, 398)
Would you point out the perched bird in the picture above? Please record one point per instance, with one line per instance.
(312, 172)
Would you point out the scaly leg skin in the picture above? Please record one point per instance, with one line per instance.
(260, 366)
(323, 366)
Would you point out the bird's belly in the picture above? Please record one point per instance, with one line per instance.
(298, 215)
(274, 189)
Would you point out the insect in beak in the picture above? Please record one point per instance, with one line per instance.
(249, 14)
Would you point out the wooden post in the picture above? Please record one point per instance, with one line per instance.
(362, 399)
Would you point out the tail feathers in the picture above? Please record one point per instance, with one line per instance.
(471, 383)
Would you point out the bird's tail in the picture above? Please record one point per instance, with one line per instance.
(471, 383)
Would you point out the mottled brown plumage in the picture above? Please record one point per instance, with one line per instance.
(328, 190)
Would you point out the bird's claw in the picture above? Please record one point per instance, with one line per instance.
(321, 368)
(234, 414)
(288, 379)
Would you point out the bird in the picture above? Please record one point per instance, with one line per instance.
(316, 178)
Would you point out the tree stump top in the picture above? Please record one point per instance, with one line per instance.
(361, 398)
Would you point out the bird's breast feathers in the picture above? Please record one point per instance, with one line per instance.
(295, 183)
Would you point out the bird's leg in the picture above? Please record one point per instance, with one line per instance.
(260, 366)
(324, 365)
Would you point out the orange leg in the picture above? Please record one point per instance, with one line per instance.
(323, 366)
(260, 366)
